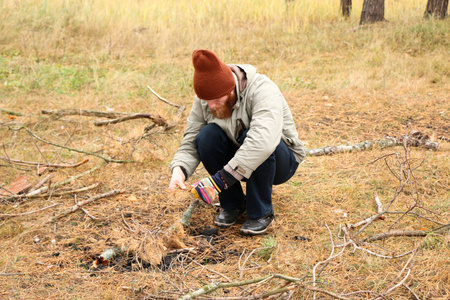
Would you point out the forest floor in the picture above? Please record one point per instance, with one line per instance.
(50, 253)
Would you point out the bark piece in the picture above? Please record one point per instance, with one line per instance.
(20, 185)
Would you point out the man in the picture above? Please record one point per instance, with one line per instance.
(241, 129)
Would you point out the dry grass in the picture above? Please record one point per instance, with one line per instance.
(345, 84)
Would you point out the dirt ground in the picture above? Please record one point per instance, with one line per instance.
(42, 258)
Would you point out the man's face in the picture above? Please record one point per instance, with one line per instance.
(222, 108)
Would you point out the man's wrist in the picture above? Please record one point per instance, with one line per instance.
(229, 176)
(184, 172)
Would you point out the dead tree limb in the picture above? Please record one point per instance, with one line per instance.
(83, 112)
(396, 233)
(368, 145)
(158, 120)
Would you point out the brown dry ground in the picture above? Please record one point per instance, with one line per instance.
(345, 84)
(325, 191)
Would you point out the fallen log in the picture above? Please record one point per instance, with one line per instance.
(414, 140)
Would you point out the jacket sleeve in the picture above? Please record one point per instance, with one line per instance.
(186, 155)
(266, 125)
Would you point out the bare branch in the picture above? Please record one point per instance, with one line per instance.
(80, 204)
(32, 163)
(28, 213)
(162, 99)
(158, 120)
(83, 112)
(107, 159)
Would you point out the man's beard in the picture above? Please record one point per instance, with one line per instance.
(225, 111)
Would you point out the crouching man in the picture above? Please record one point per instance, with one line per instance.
(241, 128)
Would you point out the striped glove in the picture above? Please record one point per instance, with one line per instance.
(208, 188)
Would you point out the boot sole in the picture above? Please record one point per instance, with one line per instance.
(224, 225)
(255, 232)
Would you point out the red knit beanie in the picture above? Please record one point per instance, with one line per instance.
(212, 78)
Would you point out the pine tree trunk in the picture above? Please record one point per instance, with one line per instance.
(372, 11)
(346, 7)
(436, 8)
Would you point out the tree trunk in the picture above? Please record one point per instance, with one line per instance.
(437, 8)
(372, 11)
(346, 7)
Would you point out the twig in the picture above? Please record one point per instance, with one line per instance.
(181, 108)
(40, 183)
(370, 219)
(12, 274)
(80, 204)
(411, 291)
(32, 163)
(241, 268)
(330, 257)
(45, 188)
(210, 270)
(28, 213)
(162, 99)
(399, 274)
(83, 112)
(395, 233)
(107, 159)
(158, 120)
(219, 285)
(83, 189)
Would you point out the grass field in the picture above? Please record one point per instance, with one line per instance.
(345, 84)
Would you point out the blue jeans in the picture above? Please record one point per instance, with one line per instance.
(216, 150)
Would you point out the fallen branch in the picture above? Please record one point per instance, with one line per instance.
(410, 233)
(73, 191)
(28, 213)
(80, 204)
(162, 99)
(45, 188)
(107, 159)
(158, 120)
(181, 108)
(379, 213)
(32, 163)
(412, 140)
(209, 288)
(40, 183)
(12, 113)
(83, 112)
(36, 193)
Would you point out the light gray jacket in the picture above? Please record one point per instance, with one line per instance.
(262, 109)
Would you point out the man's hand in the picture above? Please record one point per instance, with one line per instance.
(177, 179)
(208, 188)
